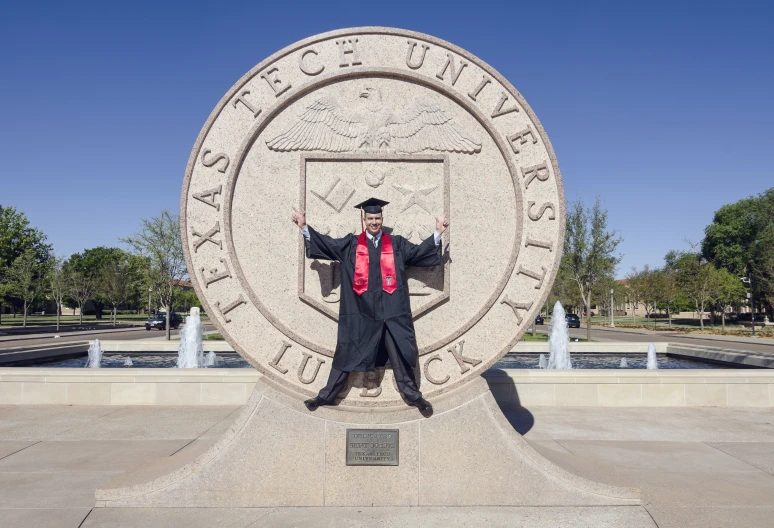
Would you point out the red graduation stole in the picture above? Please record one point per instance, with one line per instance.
(389, 281)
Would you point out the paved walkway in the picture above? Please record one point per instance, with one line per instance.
(697, 467)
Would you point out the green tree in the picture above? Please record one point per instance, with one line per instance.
(115, 282)
(26, 276)
(646, 284)
(91, 264)
(670, 290)
(700, 281)
(634, 290)
(59, 284)
(589, 251)
(730, 292)
(764, 275)
(81, 289)
(185, 299)
(159, 241)
(18, 238)
(564, 290)
(741, 239)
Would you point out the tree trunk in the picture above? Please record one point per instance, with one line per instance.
(700, 313)
(169, 312)
(24, 321)
(669, 315)
(58, 314)
(80, 312)
(723, 320)
(1, 313)
(588, 318)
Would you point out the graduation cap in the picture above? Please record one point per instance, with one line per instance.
(371, 206)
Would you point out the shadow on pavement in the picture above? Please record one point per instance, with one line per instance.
(507, 397)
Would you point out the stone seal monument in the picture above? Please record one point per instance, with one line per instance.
(322, 125)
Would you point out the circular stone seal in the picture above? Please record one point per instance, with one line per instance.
(335, 119)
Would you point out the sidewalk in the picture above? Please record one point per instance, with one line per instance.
(707, 467)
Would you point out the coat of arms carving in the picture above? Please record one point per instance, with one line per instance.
(326, 126)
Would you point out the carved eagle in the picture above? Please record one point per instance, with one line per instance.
(326, 126)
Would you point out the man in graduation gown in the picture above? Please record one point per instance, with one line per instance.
(375, 326)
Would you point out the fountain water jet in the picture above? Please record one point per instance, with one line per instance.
(95, 355)
(211, 360)
(543, 363)
(652, 361)
(624, 363)
(190, 353)
(559, 340)
(128, 362)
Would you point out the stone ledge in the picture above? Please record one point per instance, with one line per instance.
(511, 388)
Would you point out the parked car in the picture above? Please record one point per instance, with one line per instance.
(539, 320)
(573, 321)
(160, 321)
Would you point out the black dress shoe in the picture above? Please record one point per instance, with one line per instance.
(314, 403)
(423, 405)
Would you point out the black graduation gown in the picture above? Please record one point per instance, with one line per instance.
(362, 319)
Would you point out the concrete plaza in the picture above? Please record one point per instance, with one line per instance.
(703, 467)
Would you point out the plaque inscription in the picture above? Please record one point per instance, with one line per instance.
(372, 447)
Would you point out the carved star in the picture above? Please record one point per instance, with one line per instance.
(416, 197)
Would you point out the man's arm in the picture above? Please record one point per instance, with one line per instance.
(426, 254)
(319, 246)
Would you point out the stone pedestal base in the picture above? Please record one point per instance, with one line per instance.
(279, 454)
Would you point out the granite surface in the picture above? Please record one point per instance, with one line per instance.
(360, 112)
(276, 454)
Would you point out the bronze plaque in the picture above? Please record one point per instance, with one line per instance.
(372, 447)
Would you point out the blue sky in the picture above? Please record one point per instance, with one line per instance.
(662, 109)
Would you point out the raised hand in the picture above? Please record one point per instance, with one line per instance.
(298, 218)
(441, 225)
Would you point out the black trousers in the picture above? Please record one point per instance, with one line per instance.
(403, 372)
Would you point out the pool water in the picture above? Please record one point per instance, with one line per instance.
(143, 361)
(509, 361)
(608, 361)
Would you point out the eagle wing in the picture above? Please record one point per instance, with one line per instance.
(322, 126)
(427, 127)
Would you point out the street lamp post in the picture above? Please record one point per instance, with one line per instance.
(748, 280)
(149, 299)
(612, 310)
